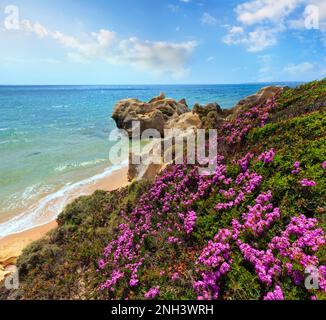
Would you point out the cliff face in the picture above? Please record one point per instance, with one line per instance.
(249, 231)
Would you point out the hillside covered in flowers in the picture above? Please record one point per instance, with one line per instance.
(255, 229)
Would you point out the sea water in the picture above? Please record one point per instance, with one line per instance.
(55, 138)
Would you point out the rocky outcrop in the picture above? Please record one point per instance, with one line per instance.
(185, 121)
(256, 99)
(162, 151)
(179, 127)
(154, 114)
(211, 115)
(144, 170)
(161, 114)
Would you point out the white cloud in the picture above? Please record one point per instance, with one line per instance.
(261, 21)
(35, 28)
(258, 11)
(298, 69)
(321, 4)
(208, 19)
(317, 7)
(158, 57)
(302, 71)
(256, 40)
(151, 56)
(104, 37)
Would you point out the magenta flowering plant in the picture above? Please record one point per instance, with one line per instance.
(308, 183)
(267, 264)
(152, 293)
(245, 183)
(170, 212)
(282, 253)
(216, 260)
(166, 208)
(323, 165)
(297, 245)
(277, 294)
(296, 168)
(261, 216)
(235, 130)
(267, 157)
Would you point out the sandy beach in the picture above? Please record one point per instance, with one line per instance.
(11, 246)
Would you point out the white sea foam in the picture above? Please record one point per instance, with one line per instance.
(20, 200)
(48, 208)
(75, 165)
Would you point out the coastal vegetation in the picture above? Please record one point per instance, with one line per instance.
(255, 229)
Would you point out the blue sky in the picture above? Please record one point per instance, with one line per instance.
(162, 42)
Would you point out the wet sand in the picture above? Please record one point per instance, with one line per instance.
(11, 246)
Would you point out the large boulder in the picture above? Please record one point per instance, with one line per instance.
(161, 114)
(154, 114)
(211, 115)
(256, 99)
(184, 122)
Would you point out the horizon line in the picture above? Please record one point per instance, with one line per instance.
(148, 84)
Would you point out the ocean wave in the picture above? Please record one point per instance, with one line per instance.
(76, 165)
(49, 207)
(20, 200)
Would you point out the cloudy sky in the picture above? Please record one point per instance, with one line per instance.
(161, 41)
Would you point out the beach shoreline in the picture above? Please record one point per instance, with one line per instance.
(11, 246)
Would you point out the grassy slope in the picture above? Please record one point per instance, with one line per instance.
(63, 265)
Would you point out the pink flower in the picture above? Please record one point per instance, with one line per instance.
(267, 157)
(173, 240)
(152, 293)
(323, 165)
(308, 183)
(277, 294)
(101, 264)
(133, 282)
(296, 168)
(175, 276)
(190, 222)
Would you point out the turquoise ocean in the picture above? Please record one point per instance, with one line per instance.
(55, 138)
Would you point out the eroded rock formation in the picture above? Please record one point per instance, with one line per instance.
(161, 113)
(154, 114)
(256, 99)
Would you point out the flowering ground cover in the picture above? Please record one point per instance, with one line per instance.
(273, 244)
(255, 229)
